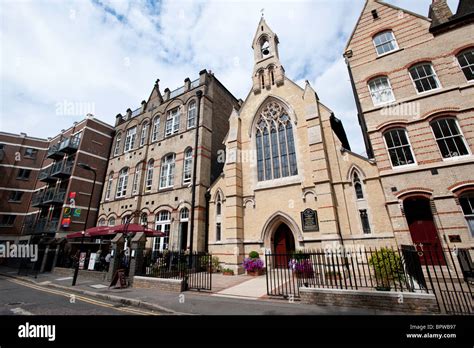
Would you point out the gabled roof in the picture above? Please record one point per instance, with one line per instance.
(384, 4)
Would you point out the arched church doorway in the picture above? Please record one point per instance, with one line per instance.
(423, 229)
(283, 245)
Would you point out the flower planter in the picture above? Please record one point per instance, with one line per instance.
(383, 288)
(228, 273)
(256, 273)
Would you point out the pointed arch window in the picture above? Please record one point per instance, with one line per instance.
(118, 139)
(111, 221)
(144, 133)
(149, 175)
(144, 219)
(167, 171)
(187, 167)
(357, 186)
(122, 183)
(156, 128)
(108, 190)
(276, 155)
(192, 110)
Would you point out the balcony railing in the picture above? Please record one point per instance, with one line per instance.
(43, 225)
(67, 145)
(53, 152)
(62, 169)
(70, 144)
(45, 175)
(48, 197)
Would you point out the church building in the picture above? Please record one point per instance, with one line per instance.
(290, 180)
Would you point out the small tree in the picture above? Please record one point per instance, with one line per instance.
(254, 255)
(387, 266)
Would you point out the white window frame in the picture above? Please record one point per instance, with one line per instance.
(162, 224)
(167, 171)
(155, 128)
(192, 114)
(172, 122)
(453, 158)
(149, 175)
(136, 176)
(435, 75)
(393, 40)
(470, 49)
(411, 150)
(187, 166)
(130, 139)
(122, 183)
(375, 79)
(108, 189)
(144, 133)
(118, 140)
(111, 219)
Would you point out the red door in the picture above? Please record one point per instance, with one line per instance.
(423, 230)
(284, 245)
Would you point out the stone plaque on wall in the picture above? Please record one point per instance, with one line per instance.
(309, 220)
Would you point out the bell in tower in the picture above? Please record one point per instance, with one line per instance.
(268, 72)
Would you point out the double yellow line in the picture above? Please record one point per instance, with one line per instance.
(82, 298)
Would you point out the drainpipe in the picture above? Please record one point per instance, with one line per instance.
(193, 187)
(206, 240)
(360, 115)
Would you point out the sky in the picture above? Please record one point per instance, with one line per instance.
(60, 60)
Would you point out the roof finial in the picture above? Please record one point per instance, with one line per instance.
(262, 10)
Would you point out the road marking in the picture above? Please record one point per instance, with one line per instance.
(45, 282)
(81, 298)
(98, 286)
(65, 278)
(20, 311)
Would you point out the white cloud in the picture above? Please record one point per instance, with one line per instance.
(110, 52)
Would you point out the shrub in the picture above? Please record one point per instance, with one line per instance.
(216, 266)
(300, 255)
(387, 266)
(227, 270)
(254, 255)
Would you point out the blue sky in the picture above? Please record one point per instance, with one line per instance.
(104, 56)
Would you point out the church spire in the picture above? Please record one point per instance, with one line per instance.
(268, 72)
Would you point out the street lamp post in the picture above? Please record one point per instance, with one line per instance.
(76, 270)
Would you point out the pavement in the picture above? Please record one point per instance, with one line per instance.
(239, 298)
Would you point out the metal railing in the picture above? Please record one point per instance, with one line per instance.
(62, 168)
(407, 269)
(69, 143)
(194, 268)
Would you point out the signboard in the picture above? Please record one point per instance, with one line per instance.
(92, 262)
(119, 277)
(76, 212)
(67, 212)
(66, 222)
(72, 195)
(309, 220)
(82, 260)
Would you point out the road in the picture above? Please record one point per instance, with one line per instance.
(22, 298)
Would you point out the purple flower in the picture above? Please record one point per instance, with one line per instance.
(252, 265)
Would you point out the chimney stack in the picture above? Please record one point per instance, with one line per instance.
(439, 12)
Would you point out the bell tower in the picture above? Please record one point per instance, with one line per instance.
(268, 72)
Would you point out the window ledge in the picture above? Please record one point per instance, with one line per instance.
(267, 184)
(389, 53)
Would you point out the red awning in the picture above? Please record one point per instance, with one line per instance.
(112, 230)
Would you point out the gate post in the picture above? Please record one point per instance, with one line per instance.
(45, 258)
(116, 247)
(136, 262)
(56, 254)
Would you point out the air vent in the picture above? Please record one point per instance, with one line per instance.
(375, 14)
(434, 171)
(394, 189)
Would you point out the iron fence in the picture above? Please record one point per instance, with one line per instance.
(194, 268)
(408, 269)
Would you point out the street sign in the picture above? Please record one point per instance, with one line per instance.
(82, 260)
(76, 212)
(66, 222)
(67, 212)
